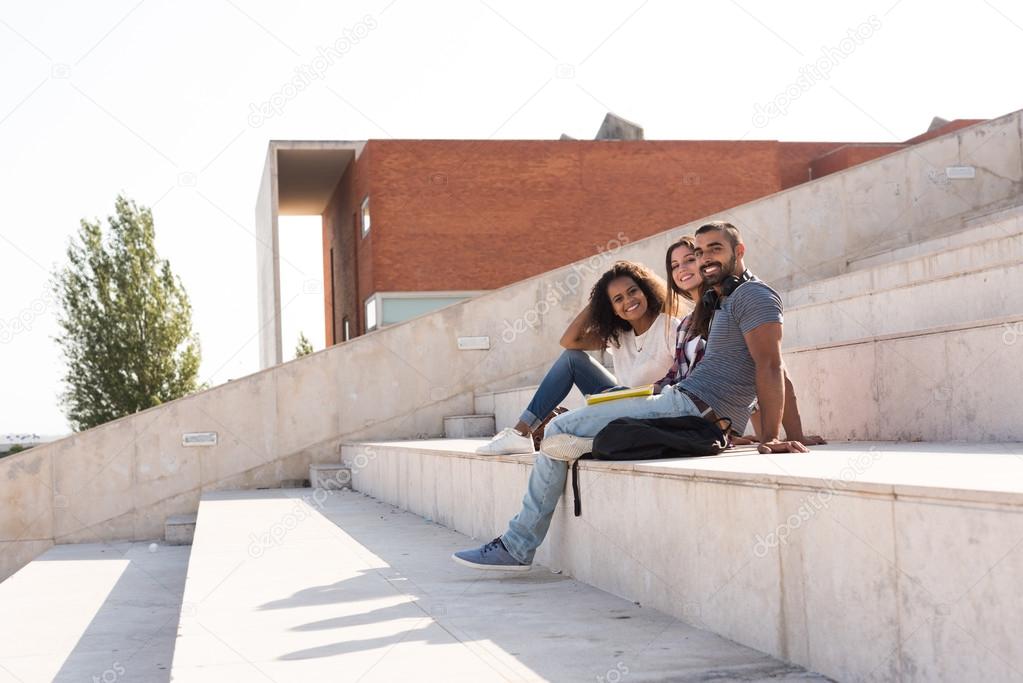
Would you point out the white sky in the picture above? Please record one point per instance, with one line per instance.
(153, 99)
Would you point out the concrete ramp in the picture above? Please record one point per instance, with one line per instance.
(297, 585)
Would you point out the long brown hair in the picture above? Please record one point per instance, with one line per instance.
(605, 322)
(699, 319)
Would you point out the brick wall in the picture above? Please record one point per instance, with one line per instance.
(353, 265)
(849, 155)
(794, 159)
(466, 215)
(480, 214)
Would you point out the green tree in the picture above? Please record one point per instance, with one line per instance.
(304, 348)
(126, 322)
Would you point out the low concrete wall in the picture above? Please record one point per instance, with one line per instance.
(797, 558)
(121, 480)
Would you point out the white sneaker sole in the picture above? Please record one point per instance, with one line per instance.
(567, 447)
(493, 567)
(481, 451)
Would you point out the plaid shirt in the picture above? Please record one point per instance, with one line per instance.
(683, 364)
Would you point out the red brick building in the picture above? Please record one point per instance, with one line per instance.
(411, 225)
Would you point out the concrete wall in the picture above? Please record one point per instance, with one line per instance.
(120, 480)
(268, 265)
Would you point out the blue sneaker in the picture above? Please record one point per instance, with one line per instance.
(493, 555)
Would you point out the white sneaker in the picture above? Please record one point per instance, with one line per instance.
(567, 447)
(507, 442)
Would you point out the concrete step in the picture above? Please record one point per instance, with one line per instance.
(507, 405)
(990, 222)
(838, 561)
(330, 477)
(955, 286)
(468, 426)
(964, 251)
(958, 382)
(292, 586)
(93, 612)
(179, 529)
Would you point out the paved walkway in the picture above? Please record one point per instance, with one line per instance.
(92, 612)
(277, 592)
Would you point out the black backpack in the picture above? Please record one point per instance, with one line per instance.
(629, 438)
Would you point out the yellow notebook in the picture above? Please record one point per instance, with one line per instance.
(632, 392)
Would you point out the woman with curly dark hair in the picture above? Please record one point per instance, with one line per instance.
(629, 315)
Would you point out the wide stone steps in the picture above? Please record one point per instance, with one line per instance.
(985, 224)
(307, 585)
(468, 426)
(837, 560)
(958, 382)
(507, 405)
(957, 285)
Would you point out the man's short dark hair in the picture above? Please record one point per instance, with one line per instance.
(731, 232)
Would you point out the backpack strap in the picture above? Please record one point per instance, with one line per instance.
(575, 489)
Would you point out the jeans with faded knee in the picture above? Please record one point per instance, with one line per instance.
(528, 528)
(572, 367)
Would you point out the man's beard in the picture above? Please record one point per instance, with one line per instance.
(724, 272)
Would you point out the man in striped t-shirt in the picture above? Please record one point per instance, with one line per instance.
(742, 364)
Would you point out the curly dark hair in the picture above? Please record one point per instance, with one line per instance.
(699, 319)
(605, 323)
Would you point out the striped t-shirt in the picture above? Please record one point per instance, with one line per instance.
(726, 377)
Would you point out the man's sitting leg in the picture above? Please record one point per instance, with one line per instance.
(514, 549)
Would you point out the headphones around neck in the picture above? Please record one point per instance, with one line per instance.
(711, 298)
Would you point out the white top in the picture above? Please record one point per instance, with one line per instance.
(647, 358)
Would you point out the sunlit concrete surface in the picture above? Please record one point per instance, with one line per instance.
(909, 550)
(302, 586)
(92, 612)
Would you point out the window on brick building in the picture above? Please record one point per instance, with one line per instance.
(365, 215)
(371, 313)
(346, 329)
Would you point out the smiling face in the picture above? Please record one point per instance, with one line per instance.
(627, 299)
(716, 256)
(685, 270)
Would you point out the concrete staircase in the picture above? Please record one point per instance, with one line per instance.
(796, 555)
(840, 561)
(507, 405)
(863, 561)
(929, 308)
(938, 283)
(962, 230)
(306, 585)
(179, 529)
(917, 348)
(468, 426)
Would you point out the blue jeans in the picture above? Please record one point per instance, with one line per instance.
(572, 367)
(527, 529)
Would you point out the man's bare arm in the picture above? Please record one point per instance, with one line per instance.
(791, 421)
(764, 344)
